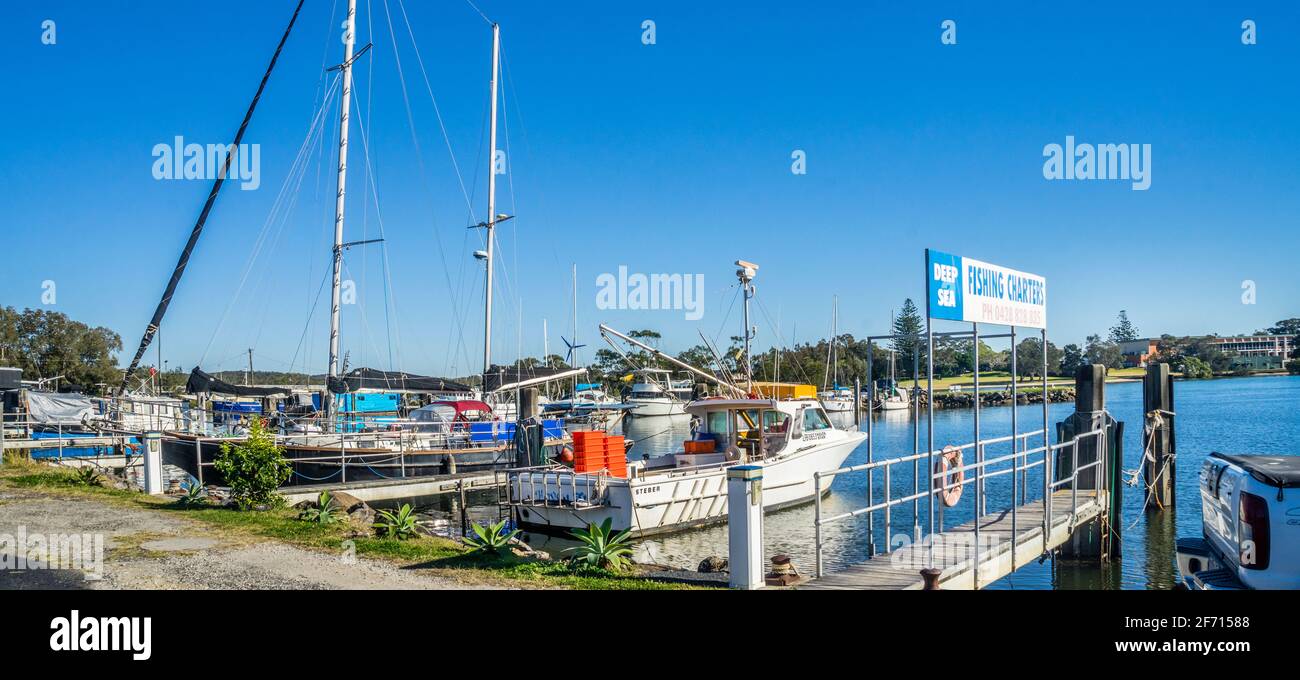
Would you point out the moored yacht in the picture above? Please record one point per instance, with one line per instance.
(656, 393)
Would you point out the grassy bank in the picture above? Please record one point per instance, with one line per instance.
(439, 556)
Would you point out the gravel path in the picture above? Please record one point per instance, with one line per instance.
(149, 550)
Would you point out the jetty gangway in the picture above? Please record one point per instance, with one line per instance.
(994, 543)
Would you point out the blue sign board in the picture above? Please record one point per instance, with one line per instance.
(963, 289)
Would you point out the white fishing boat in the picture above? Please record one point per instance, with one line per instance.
(791, 439)
(656, 394)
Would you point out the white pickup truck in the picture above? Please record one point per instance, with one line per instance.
(1251, 525)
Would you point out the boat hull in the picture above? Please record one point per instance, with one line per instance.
(663, 502)
(657, 408)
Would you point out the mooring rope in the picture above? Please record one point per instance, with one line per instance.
(1155, 420)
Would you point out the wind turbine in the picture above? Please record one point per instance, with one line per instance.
(568, 356)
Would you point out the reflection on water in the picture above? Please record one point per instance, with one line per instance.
(1239, 415)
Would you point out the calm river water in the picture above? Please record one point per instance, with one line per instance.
(1258, 415)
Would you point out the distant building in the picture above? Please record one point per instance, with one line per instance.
(1256, 352)
(1137, 352)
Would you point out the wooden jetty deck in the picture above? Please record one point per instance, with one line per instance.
(954, 549)
(387, 489)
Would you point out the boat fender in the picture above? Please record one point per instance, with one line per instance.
(950, 484)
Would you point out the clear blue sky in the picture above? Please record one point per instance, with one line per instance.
(672, 157)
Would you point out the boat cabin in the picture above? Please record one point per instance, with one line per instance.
(746, 430)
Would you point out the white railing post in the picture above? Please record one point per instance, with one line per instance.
(153, 463)
(745, 526)
(817, 521)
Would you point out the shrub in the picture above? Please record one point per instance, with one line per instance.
(1293, 367)
(1194, 368)
(196, 496)
(322, 512)
(601, 548)
(400, 525)
(88, 476)
(490, 540)
(254, 469)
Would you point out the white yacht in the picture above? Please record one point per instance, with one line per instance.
(835, 399)
(656, 393)
(894, 398)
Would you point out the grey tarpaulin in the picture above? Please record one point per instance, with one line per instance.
(55, 409)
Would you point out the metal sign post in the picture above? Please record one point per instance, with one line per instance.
(968, 290)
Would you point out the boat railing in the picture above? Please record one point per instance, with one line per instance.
(977, 473)
(555, 486)
(60, 436)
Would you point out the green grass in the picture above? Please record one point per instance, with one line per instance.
(440, 556)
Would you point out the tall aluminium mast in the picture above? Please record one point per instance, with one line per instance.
(349, 42)
(492, 202)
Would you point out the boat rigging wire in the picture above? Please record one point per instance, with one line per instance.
(480, 12)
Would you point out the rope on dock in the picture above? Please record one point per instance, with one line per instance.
(1155, 421)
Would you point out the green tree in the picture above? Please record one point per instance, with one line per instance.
(1285, 327)
(1029, 357)
(1123, 330)
(1105, 352)
(1196, 369)
(908, 324)
(49, 344)
(1071, 359)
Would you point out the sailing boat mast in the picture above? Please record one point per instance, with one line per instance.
(491, 223)
(349, 42)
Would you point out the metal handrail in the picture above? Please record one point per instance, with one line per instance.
(982, 471)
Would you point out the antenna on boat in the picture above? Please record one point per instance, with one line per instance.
(746, 274)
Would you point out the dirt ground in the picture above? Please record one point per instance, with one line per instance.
(148, 550)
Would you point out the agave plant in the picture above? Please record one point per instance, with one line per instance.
(400, 525)
(196, 496)
(323, 512)
(601, 547)
(88, 476)
(490, 540)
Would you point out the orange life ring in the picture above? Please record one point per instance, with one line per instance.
(950, 484)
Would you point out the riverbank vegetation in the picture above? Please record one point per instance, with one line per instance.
(439, 556)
